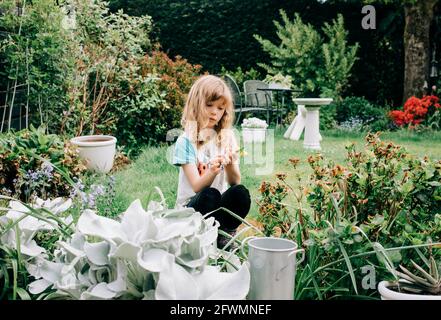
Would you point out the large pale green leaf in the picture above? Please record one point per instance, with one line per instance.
(31, 249)
(98, 292)
(155, 260)
(138, 224)
(126, 251)
(51, 271)
(91, 224)
(98, 252)
(176, 283)
(215, 285)
(119, 285)
(39, 286)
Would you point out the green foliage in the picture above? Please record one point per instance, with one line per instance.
(298, 54)
(273, 214)
(366, 113)
(34, 58)
(241, 76)
(420, 281)
(33, 163)
(141, 118)
(106, 48)
(382, 200)
(318, 68)
(434, 120)
(327, 116)
(155, 106)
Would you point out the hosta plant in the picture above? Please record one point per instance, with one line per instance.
(154, 254)
(28, 232)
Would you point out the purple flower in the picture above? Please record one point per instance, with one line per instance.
(97, 190)
(48, 168)
(34, 176)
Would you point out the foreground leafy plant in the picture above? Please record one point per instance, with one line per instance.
(26, 233)
(381, 195)
(153, 254)
(34, 163)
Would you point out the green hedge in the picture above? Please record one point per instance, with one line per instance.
(220, 33)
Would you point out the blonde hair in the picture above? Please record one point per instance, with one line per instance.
(206, 89)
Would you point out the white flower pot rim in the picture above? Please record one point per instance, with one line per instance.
(85, 141)
(257, 128)
(395, 295)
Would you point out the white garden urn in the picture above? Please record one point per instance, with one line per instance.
(98, 151)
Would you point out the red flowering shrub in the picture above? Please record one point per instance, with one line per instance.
(177, 76)
(415, 110)
(155, 101)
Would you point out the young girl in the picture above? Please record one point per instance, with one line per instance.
(207, 154)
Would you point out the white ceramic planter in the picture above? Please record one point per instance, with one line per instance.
(387, 294)
(251, 135)
(98, 150)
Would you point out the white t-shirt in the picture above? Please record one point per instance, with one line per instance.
(186, 152)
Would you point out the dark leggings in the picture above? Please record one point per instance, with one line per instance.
(236, 199)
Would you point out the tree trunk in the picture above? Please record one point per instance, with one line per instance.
(417, 46)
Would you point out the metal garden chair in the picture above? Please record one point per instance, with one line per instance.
(255, 100)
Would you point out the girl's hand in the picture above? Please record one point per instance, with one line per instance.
(231, 156)
(215, 164)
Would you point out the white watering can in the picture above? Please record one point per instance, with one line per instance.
(273, 264)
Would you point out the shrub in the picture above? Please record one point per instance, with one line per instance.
(155, 105)
(424, 111)
(241, 76)
(107, 48)
(175, 80)
(139, 118)
(359, 108)
(384, 179)
(327, 117)
(318, 68)
(136, 256)
(35, 60)
(33, 163)
(380, 201)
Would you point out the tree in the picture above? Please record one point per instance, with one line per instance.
(318, 67)
(418, 17)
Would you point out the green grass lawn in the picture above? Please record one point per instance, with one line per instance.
(151, 168)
